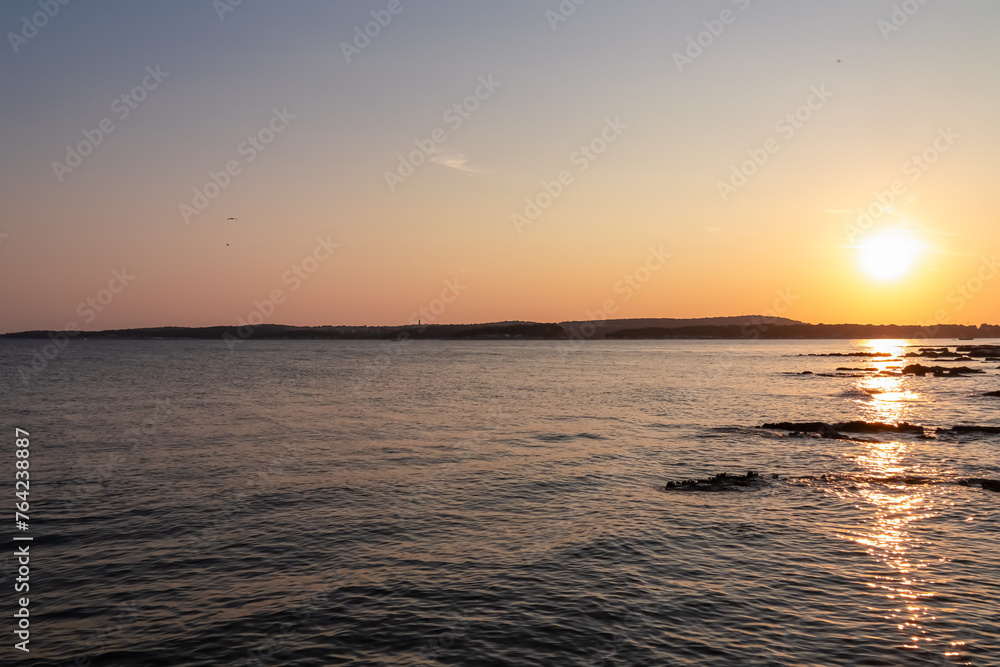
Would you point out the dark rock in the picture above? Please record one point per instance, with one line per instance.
(879, 427)
(806, 373)
(969, 428)
(932, 353)
(980, 350)
(800, 427)
(939, 371)
(849, 354)
(721, 482)
(992, 393)
(988, 484)
(835, 430)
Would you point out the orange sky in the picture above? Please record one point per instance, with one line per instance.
(620, 141)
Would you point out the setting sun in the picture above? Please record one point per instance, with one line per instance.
(891, 254)
(513, 333)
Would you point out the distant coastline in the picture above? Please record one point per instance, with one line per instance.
(725, 328)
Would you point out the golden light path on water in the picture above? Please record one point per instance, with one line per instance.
(898, 507)
(890, 393)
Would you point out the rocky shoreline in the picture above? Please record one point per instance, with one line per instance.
(754, 481)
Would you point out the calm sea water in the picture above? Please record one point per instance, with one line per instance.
(496, 503)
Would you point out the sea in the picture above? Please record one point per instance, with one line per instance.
(497, 502)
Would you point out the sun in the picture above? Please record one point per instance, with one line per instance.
(890, 254)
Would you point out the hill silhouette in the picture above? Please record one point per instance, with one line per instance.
(740, 327)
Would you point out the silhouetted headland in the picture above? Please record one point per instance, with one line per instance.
(732, 328)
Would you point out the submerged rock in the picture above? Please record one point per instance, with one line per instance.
(722, 482)
(939, 371)
(754, 480)
(838, 430)
(932, 353)
(806, 427)
(879, 427)
(970, 428)
(893, 480)
(979, 350)
(849, 354)
(800, 429)
(987, 484)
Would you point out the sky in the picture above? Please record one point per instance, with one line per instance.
(483, 161)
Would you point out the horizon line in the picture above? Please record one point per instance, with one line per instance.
(748, 320)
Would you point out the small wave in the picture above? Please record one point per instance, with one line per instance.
(859, 392)
(564, 437)
(726, 431)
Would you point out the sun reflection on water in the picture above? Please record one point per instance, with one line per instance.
(891, 397)
(894, 346)
(898, 508)
(889, 538)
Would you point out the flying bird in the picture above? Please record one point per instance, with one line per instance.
(232, 218)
